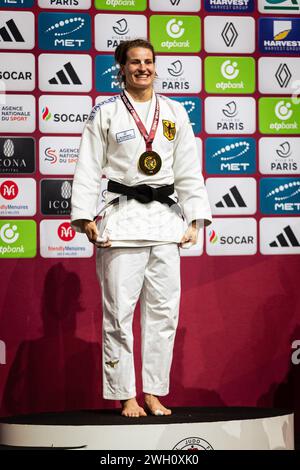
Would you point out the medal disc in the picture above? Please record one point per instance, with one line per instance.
(150, 162)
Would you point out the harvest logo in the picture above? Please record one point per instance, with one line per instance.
(176, 34)
(279, 36)
(229, 75)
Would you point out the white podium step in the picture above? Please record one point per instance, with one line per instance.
(186, 429)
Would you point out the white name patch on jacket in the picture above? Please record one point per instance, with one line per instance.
(125, 135)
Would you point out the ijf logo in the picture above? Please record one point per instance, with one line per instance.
(280, 195)
(229, 75)
(229, 6)
(279, 6)
(176, 34)
(279, 35)
(192, 106)
(107, 74)
(278, 116)
(64, 31)
(230, 155)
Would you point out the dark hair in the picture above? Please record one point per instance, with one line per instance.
(123, 48)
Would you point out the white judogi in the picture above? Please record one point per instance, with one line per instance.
(144, 259)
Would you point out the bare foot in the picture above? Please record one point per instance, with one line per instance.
(131, 408)
(155, 407)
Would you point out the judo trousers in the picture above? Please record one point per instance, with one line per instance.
(127, 274)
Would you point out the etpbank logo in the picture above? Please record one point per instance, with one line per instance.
(64, 31)
(229, 6)
(107, 74)
(230, 155)
(192, 106)
(279, 35)
(280, 195)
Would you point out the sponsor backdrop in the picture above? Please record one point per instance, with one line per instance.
(234, 65)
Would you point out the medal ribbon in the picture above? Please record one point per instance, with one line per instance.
(148, 138)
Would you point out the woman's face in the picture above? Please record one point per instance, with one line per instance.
(139, 69)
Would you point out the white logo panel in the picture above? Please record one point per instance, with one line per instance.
(58, 155)
(17, 197)
(59, 4)
(227, 236)
(229, 34)
(197, 249)
(62, 72)
(280, 75)
(16, 30)
(59, 240)
(110, 30)
(63, 114)
(17, 114)
(229, 196)
(279, 155)
(175, 5)
(178, 74)
(17, 71)
(279, 235)
(230, 115)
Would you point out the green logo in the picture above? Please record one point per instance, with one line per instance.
(175, 33)
(127, 5)
(229, 75)
(279, 116)
(17, 239)
(282, 5)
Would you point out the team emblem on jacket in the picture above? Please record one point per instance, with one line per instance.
(169, 129)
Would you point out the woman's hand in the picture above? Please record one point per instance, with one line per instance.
(191, 234)
(92, 233)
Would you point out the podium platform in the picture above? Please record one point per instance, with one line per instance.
(186, 429)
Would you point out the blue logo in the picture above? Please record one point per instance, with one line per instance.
(229, 6)
(107, 74)
(65, 31)
(280, 195)
(193, 108)
(230, 155)
(279, 35)
(16, 3)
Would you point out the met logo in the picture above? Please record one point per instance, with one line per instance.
(230, 155)
(64, 31)
(106, 78)
(280, 195)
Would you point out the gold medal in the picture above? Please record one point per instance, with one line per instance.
(150, 162)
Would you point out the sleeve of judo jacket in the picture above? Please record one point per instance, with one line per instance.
(188, 179)
(88, 172)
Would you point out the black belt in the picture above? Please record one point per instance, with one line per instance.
(142, 193)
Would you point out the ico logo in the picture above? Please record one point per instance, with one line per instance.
(193, 444)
